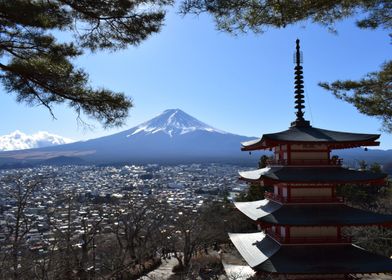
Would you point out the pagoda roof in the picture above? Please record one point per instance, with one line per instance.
(271, 212)
(297, 174)
(264, 254)
(255, 248)
(310, 134)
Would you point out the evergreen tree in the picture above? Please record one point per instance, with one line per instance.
(365, 196)
(371, 95)
(39, 69)
(264, 161)
(256, 191)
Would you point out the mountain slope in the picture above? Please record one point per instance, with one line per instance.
(171, 137)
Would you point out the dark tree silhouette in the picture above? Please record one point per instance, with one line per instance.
(371, 95)
(19, 190)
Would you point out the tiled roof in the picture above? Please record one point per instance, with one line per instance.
(309, 214)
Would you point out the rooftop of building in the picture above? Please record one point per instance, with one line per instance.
(262, 253)
(271, 212)
(310, 134)
(299, 174)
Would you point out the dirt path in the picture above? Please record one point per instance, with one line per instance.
(163, 272)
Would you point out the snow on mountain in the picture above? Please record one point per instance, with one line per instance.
(173, 122)
(18, 140)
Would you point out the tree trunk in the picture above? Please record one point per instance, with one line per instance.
(84, 262)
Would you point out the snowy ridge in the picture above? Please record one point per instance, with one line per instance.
(18, 140)
(173, 122)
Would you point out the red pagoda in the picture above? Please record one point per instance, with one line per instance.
(301, 221)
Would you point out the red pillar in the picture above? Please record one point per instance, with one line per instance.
(288, 154)
(287, 231)
(339, 232)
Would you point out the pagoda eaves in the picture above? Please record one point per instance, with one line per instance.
(274, 213)
(312, 135)
(317, 175)
(263, 253)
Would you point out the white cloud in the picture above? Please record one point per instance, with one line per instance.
(18, 140)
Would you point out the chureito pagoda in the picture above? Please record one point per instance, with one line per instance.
(301, 221)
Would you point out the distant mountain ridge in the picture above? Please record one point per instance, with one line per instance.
(170, 138)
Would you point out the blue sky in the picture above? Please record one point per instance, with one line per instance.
(241, 84)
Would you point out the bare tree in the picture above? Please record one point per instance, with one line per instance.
(76, 230)
(19, 190)
(189, 234)
(136, 227)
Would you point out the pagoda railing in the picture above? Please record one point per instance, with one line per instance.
(335, 162)
(308, 239)
(323, 277)
(303, 199)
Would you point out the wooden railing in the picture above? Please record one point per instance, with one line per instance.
(308, 239)
(275, 197)
(304, 199)
(336, 162)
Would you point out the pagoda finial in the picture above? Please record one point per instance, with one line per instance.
(299, 89)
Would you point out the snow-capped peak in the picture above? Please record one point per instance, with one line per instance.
(173, 122)
(18, 140)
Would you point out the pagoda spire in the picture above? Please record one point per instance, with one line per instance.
(299, 89)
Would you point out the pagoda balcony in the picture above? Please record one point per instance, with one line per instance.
(303, 199)
(308, 239)
(311, 162)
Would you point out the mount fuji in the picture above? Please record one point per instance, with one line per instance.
(171, 137)
(172, 122)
